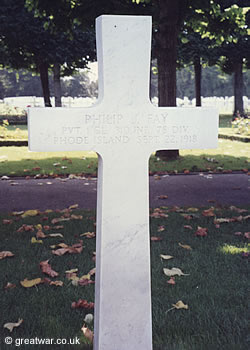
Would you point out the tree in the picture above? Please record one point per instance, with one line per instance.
(25, 43)
(235, 55)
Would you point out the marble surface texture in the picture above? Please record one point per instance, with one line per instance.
(124, 128)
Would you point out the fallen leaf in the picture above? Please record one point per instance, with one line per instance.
(173, 272)
(84, 282)
(187, 217)
(88, 234)
(222, 220)
(7, 222)
(185, 246)
(71, 271)
(10, 286)
(89, 318)
(56, 220)
(34, 240)
(36, 168)
(58, 227)
(92, 271)
(55, 235)
(238, 233)
(158, 213)
(46, 268)
(82, 304)
(30, 283)
(193, 210)
(88, 333)
(76, 217)
(5, 177)
(26, 228)
(74, 249)
(188, 227)
(171, 281)
(30, 213)
(11, 325)
(74, 206)
(201, 232)
(239, 210)
(247, 235)
(5, 254)
(180, 305)
(85, 277)
(155, 239)
(17, 213)
(56, 283)
(166, 257)
(40, 234)
(163, 196)
(209, 212)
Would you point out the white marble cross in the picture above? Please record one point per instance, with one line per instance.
(124, 128)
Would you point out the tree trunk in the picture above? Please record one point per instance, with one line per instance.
(44, 76)
(57, 85)
(197, 72)
(238, 89)
(169, 20)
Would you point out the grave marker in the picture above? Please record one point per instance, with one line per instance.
(124, 128)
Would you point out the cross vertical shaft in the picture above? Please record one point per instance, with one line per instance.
(123, 288)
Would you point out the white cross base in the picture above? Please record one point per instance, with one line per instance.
(124, 128)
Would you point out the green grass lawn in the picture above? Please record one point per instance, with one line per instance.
(18, 161)
(215, 288)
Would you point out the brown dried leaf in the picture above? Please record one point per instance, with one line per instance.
(74, 206)
(5, 254)
(11, 325)
(247, 235)
(56, 283)
(30, 213)
(173, 272)
(92, 271)
(185, 246)
(188, 227)
(7, 222)
(201, 231)
(10, 286)
(34, 240)
(209, 212)
(180, 305)
(171, 281)
(166, 257)
(56, 220)
(88, 234)
(46, 268)
(40, 234)
(155, 239)
(74, 249)
(30, 283)
(88, 333)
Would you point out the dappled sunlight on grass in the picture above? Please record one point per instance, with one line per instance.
(19, 161)
(232, 249)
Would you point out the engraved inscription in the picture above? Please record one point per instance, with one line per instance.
(116, 128)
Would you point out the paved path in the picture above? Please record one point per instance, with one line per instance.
(182, 190)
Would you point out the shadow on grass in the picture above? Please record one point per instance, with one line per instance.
(64, 166)
(203, 162)
(215, 287)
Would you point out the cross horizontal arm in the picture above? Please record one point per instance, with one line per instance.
(101, 128)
